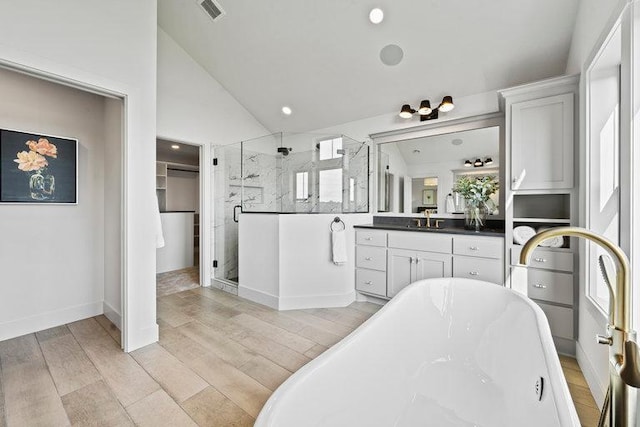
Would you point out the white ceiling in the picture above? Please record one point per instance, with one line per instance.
(477, 143)
(321, 58)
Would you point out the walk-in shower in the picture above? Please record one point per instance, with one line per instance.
(284, 173)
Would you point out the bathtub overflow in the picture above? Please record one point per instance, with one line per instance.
(539, 387)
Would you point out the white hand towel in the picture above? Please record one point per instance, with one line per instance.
(339, 247)
(158, 221)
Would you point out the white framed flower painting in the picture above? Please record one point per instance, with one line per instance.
(36, 168)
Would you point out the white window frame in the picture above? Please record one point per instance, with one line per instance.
(305, 180)
(334, 153)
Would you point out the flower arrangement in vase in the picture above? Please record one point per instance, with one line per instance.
(34, 161)
(476, 192)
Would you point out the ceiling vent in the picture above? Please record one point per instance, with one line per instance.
(211, 9)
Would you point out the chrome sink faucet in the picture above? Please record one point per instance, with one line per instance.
(624, 352)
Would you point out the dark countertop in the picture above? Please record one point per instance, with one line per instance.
(445, 230)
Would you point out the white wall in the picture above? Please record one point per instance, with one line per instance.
(592, 18)
(467, 106)
(193, 106)
(107, 45)
(52, 258)
(113, 210)
(183, 191)
(308, 276)
(259, 258)
(289, 266)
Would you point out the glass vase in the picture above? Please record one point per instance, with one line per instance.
(42, 186)
(475, 216)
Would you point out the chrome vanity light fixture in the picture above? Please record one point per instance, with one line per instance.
(425, 111)
(478, 163)
(488, 161)
(467, 163)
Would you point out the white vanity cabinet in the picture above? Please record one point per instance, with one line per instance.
(542, 143)
(410, 256)
(405, 267)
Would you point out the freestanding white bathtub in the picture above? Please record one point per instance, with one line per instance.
(443, 352)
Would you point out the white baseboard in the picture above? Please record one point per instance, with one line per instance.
(112, 314)
(368, 298)
(258, 296)
(597, 390)
(51, 319)
(316, 301)
(142, 338)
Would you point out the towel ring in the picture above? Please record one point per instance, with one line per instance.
(335, 221)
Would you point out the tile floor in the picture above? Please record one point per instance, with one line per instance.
(172, 282)
(218, 360)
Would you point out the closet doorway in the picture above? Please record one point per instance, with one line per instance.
(179, 185)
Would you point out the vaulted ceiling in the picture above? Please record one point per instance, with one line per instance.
(322, 58)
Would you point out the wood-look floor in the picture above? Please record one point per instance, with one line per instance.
(218, 360)
(586, 406)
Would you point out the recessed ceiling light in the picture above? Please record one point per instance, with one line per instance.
(175, 146)
(416, 151)
(376, 16)
(457, 141)
(286, 111)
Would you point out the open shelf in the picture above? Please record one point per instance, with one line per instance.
(549, 208)
(543, 220)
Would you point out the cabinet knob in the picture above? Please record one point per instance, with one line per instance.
(368, 258)
(474, 273)
(368, 238)
(514, 180)
(540, 260)
(473, 248)
(539, 286)
(368, 282)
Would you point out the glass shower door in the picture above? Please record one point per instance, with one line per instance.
(227, 196)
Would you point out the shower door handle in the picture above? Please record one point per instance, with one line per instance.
(235, 218)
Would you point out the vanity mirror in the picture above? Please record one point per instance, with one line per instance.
(419, 173)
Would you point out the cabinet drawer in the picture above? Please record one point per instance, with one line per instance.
(420, 241)
(546, 259)
(489, 270)
(374, 282)
(478, 247)
(371, 238)
(371, 257)
(550, 286)
(560, 320)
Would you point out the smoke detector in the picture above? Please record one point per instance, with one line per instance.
(211, 8)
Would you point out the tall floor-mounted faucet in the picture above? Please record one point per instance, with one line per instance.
(624, 352)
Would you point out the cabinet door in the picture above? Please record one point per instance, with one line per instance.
(399, 270)
(542, 143)
(430, 266)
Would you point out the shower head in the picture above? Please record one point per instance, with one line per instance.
(284, 150)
